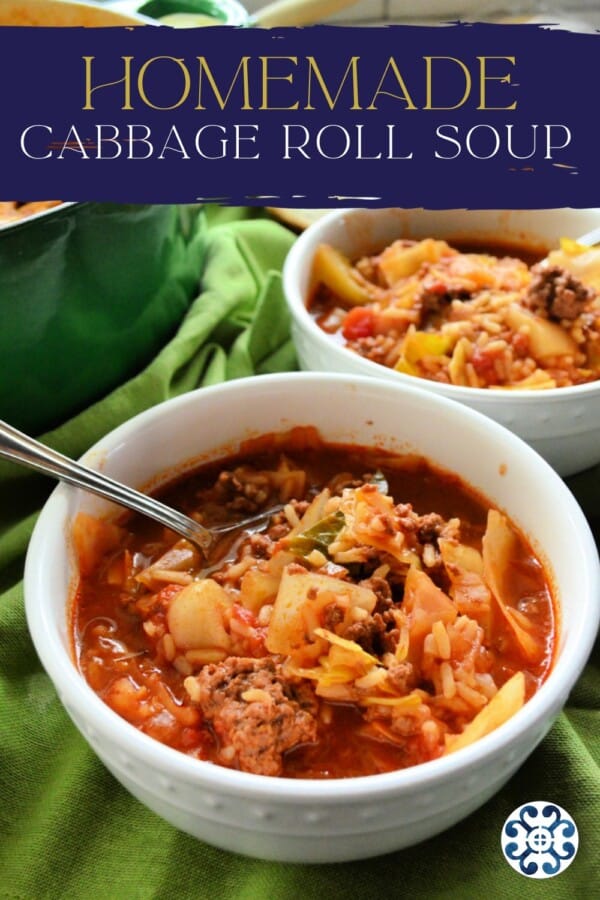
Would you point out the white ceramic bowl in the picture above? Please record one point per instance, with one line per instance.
(563, 424)
(342, 819)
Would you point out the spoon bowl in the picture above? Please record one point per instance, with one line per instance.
(20, 448)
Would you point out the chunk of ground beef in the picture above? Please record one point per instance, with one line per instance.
(243, 490)
(554, 291)
(428, 528)
(279, 524)
(261, 546)
(333, 615)
(256, 712)
(381, 589)
(402, 677)
(433, 298)
(377, 633)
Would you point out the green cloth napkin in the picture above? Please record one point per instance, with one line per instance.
(69, 830)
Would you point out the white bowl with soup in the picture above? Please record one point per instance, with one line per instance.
(319, 691)
(561, 422)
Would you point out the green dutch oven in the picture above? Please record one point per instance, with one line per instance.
(89, 293)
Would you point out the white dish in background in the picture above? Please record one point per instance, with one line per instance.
(563, 424)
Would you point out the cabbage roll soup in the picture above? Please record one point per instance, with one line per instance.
(381, 616)
(503, 318)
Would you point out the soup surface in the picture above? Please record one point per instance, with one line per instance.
(491, 317)
(380, 616)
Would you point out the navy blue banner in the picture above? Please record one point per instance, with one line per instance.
(462, 115)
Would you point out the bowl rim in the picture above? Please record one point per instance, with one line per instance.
(296, 261)
(73, 689)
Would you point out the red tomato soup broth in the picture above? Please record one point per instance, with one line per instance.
(381, 616)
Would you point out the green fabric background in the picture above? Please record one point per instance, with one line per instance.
(67, 828)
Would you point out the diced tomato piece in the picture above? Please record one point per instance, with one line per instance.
(359, 323)
(243, 615)
(436, 287)
(483, 363)
(520, 344)
(166, 594)
(256, 634)
(194, 737)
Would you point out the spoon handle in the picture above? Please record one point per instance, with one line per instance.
(20, 448)
(297, 12)
(590, 239)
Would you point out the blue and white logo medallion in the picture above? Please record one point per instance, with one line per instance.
(539, 839)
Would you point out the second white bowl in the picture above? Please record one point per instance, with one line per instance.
(563, 424)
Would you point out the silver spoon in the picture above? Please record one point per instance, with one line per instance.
(590, 239)
(20, 448)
